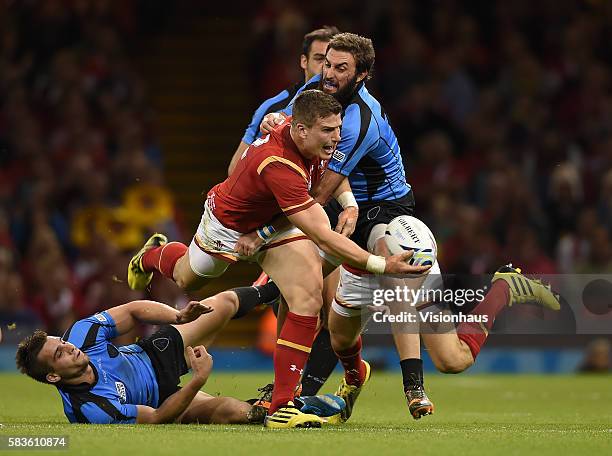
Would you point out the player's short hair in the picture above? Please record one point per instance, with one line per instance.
(325, 33)
(27, 356)
(360, 47)
(313, 104)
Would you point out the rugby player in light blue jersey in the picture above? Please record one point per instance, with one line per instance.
(102, 383)
(369, 155)
(311, 60)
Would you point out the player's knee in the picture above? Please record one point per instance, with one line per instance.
(182, 282)
(448, 365)
(308, 306)
(342, 341)
(228, 300)
(306, 301)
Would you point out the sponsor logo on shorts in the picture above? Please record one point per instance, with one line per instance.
(101, 318)
(373, 213)
(161, 343)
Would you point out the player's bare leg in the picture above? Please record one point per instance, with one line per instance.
(406, 338)
(204, 330)
(189, 267)
(207, 409)
(296, 269)
(184, 276)
(453, 351)
(449, 354)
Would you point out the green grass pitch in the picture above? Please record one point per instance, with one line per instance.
(475, 414)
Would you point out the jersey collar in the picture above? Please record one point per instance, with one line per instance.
(81, 387)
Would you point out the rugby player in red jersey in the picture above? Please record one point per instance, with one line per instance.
(273, 178)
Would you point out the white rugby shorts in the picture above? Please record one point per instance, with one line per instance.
(356, 292)
(212, 249)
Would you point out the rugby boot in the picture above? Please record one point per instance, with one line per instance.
(418, 403)
(349, 393)
(524, 290)
(138, 278)
(289, 416)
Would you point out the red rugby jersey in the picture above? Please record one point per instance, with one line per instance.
(271, 178)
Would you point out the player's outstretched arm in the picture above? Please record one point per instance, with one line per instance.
(154, 313)
(175, 405)
(314, 223)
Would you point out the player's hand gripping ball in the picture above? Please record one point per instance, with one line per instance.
(409, 233)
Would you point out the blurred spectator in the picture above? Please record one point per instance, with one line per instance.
(565, 198)
(597, 357)
(599, 260)
(574, 248)
(16, 318)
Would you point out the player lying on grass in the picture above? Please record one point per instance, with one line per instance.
(102, 383)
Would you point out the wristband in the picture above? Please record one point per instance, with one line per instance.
(265, 232)
(376, 264)
(346, 199)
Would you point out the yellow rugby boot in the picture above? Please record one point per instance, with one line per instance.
(138, 278)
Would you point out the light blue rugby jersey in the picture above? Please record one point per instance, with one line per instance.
(274, 104)
(124, 376)
(368, 152)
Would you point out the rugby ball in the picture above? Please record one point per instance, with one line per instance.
(409, 233)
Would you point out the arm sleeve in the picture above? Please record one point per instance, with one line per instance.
(92, 330)
(270, 105)
(116, 413)
(356, 140)
(288, 186)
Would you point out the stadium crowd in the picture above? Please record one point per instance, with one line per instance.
(503, 111)
(80, 173)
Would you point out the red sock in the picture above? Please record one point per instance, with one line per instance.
(163, 258)
(290, 355)
(354, 369)
(475, 334)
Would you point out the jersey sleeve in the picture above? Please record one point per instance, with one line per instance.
(356, 140)
(288, 184)
(273, 104)
(91, 331)
(113, 412)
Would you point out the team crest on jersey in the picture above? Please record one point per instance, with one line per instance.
(101, 318)
(121, 392)
(338, 156)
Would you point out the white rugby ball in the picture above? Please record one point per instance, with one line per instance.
(409, 233)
